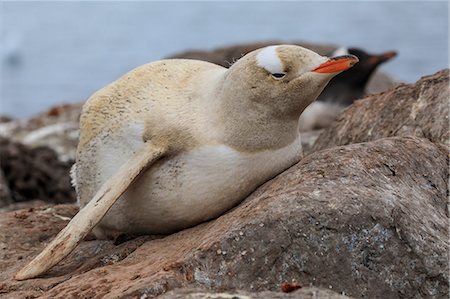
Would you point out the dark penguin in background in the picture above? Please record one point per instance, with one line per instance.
(348, 86)
(343, 89)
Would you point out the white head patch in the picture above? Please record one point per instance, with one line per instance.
(269, 59)
(340, 51)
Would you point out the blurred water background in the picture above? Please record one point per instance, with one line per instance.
(58, 52)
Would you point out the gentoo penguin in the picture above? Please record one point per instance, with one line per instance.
(342, 90)
(177, 142)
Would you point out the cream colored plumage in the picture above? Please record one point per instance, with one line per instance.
(219, 133)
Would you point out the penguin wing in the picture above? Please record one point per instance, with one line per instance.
(93, 212)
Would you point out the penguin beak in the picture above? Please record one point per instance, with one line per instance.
(336, 64)
(377, 59)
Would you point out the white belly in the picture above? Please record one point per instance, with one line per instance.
(189, 188)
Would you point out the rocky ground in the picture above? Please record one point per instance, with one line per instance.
(364, 214)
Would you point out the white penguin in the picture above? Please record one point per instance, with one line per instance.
(177, 142)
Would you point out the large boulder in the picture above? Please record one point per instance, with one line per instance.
(364, 220)
(420, 109)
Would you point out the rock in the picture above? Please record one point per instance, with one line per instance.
(35, 173)
(36, 156)
(309, 139)
(420, 109)
(368, 220)
(380, 82)
(304, 293)
(29, 204)
(5, 193)
(56, 128)
(5, 119)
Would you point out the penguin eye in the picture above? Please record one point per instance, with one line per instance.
(278, 76)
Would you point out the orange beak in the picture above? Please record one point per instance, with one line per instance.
(337, 64)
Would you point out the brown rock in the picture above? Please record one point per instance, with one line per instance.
(35, 173)
(5, 193)
(420, 109)
(369, 220)
(305, 293)
(288, 287)
(5, 119)
(20, 205)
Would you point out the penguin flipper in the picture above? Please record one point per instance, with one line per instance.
(89, 216)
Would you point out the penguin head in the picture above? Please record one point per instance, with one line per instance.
(285, 79)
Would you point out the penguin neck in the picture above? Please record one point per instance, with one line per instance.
(250, 126)
(255, 132)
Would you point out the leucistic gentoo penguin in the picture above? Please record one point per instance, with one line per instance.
(177, 142)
